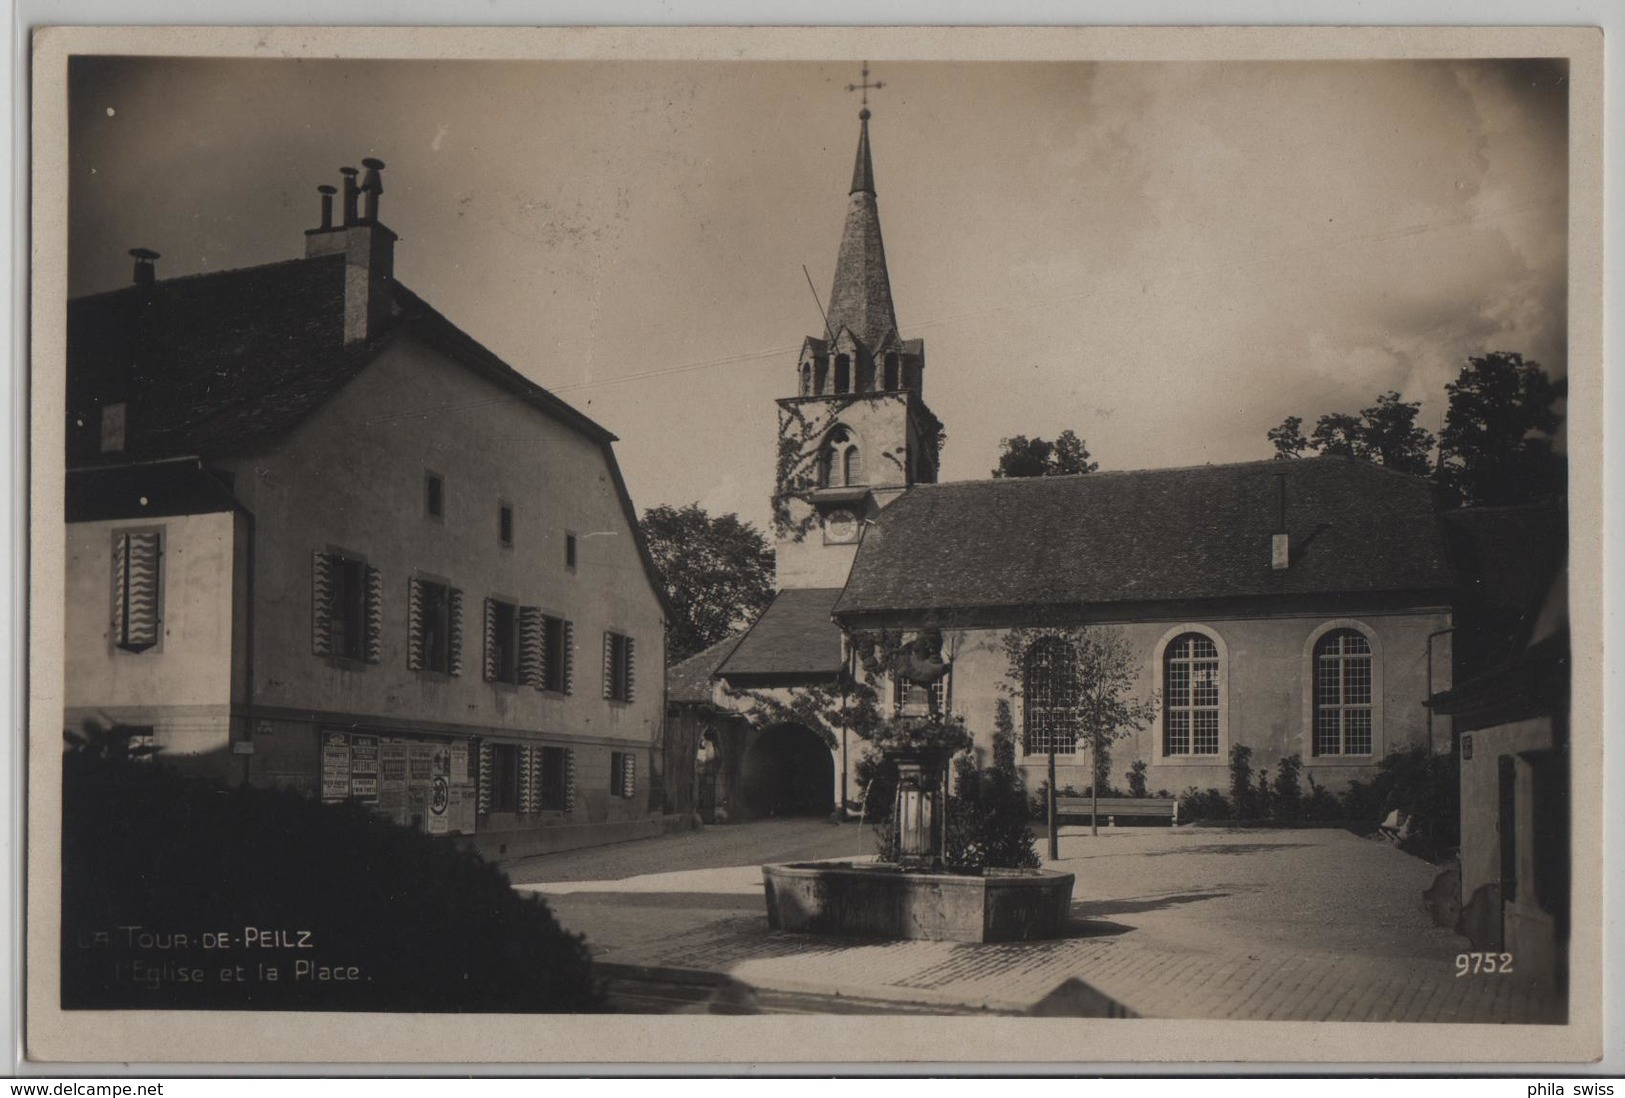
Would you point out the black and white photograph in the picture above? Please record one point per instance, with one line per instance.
(1045, 539)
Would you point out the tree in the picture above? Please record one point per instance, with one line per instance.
(718, 574)
(1094, 670)
(1385, 433)
(1067, 456)
(1497, 443)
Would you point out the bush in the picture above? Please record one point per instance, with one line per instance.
(1320, 804)
(1241, 782)
(1197, 804)
(987, 819)
(1136, 779)
(1286, 801)
(427, 926)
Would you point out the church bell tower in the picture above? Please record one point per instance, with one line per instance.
(857, 433)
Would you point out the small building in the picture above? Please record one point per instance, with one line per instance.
(320, 538)
(1510, 712)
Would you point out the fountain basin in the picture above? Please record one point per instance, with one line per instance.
(882, 901)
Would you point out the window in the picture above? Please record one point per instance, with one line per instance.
(557, 640)
(1342, 705)
(434, 496)
(890, 376)
(820, 374)
(504, 777)
(346, 608)
(136, 591)
(554, 778)
(435, 628)
(852, 466)
(1050, 698)
(1190, 692)
(843, 373)
(505, 524)
(623, 774)
(570, 552)
(617, 667)
(502, 641)
(806, 379)
(937, 691)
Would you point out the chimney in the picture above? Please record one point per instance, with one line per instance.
(367, 245)
(145, 273)
(1280, 541)
(350, 193)
(373, 187)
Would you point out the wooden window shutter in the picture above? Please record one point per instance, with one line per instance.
(528, 783)
(569, 657)
(531, 647)
(135, 590)
(414, 625)
(454, 627)
(629, 674)
(490, 640)
(629, 775)
(483, 796)
(321, 603)
(375, 615)
(569, 779)
(609, 666)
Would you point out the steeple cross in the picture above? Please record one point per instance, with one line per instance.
(866, 86)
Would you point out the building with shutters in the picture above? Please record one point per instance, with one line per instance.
(318, 537)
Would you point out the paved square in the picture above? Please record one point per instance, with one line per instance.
(1315, 924)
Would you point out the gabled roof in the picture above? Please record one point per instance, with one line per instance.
(794, 640)
(227, 363)
(690, 680)
(1153, 535)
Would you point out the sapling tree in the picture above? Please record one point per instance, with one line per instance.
(1077, 683)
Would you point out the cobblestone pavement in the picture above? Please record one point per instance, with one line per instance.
(1186, 923)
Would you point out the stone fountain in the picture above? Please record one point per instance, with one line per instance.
(915, 896)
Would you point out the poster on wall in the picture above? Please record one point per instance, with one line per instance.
(419, 775)
(392, 781)
(364, 769)
(438, 821)
(335, 767)
(462, 791)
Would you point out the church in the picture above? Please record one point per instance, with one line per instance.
(1292, 607)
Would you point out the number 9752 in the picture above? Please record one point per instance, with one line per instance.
(1483, 964)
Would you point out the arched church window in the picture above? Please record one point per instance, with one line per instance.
(820, 375)
(832, 458)
(1190, 692)
(891, 371)
(1049, 695)
(1343, 693)
(852, 466)
(806, 379)
(843, 373)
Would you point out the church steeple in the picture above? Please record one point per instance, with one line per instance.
(861, 298)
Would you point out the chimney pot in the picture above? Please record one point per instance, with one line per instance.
(372, 185)
(327, 192)
(350, 194)
(145, 273)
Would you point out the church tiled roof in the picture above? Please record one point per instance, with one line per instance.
(794, 639)
(1148, 536)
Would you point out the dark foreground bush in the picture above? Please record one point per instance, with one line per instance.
(176, 895)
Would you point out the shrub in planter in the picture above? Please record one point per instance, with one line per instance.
(397, 919)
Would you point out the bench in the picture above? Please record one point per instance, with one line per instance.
(1113, 807)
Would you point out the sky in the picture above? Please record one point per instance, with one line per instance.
(1167, 257)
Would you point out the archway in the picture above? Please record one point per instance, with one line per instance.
(788, 771)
